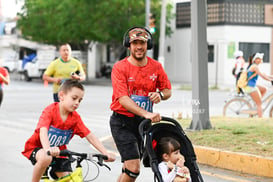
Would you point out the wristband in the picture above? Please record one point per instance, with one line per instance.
(161, 95)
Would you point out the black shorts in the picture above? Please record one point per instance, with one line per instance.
(126, 136)
(57, 164)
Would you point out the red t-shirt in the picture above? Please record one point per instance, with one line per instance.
(60, 133)
(5, 73)
(128, 79)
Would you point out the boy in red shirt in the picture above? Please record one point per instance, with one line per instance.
(58, 123)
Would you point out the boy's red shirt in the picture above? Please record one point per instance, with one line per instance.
(51, 117)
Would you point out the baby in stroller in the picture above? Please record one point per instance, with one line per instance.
(171, 164)
(152, 138)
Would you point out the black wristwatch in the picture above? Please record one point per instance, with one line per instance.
(161, 95)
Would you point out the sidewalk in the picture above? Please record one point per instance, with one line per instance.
(235, 161)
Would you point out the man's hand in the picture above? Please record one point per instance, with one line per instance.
(75, 76)
(154, 97)
(58, 80)
(154, 117)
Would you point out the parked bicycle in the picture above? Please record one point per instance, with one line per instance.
(246, 107)
(77, 174)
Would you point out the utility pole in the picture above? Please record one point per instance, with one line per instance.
(1, 14)
(200, 96)
(161, 57)
(147, 11)
(147, 23)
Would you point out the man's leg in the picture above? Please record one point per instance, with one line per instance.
(130, 171)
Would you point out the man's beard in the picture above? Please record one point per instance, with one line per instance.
(138, 58)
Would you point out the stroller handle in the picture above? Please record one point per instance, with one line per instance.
(171, 120)
(147, 122)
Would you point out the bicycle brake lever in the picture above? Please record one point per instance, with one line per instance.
(101, 164)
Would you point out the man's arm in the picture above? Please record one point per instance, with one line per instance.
(167, 93)
(52, 79)
(131, 106)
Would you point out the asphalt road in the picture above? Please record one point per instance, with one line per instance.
(24, 102)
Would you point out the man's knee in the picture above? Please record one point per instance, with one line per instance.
(130, 173)
(132, 168)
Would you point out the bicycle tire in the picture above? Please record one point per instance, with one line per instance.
(234, 107)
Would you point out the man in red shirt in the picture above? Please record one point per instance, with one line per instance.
(138, 82)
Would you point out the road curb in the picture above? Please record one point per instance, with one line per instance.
(235, 161)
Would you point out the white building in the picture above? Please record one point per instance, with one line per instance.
(232, 25)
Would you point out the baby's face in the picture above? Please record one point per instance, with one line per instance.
(176, 156)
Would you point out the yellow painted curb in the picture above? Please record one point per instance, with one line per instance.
(250, 164)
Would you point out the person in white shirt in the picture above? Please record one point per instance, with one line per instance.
(171, 164)
(238, 68)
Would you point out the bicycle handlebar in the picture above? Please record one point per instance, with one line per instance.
(85, 156)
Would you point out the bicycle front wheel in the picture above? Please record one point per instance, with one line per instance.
(235, 106)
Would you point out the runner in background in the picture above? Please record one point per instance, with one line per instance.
(63, 68)
(238, 68)
(4, 79)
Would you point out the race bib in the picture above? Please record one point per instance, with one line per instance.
(58, 137)
(143, 101)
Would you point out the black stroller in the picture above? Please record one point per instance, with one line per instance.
(170, 128)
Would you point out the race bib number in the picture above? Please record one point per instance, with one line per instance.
(58, 137)
(143, 101)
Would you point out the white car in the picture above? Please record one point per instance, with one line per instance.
(10, 64)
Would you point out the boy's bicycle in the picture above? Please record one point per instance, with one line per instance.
(77, 174)
(246, 107)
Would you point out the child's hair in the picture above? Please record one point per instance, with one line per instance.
(166, 145)
(69, 84)
(250, 60)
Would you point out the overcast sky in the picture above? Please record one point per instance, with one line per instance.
(10, 8)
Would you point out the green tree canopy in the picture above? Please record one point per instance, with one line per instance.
(79, 21)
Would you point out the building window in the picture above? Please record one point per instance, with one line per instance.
(251, 48)
(210, 53)
(183, 14)
(242, 12)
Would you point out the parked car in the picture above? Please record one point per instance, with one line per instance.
(10, 63)
(34, 66)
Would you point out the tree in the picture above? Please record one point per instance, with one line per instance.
(79, 22)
